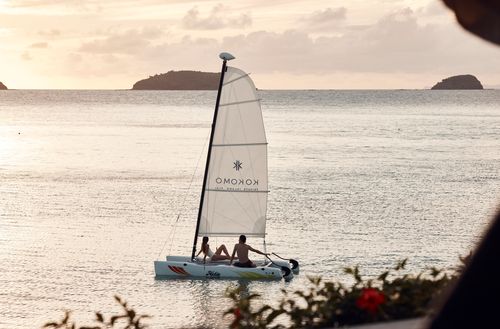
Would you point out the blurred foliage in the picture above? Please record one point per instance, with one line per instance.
(390, 296)
(128, 319)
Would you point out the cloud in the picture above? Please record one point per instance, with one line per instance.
(80, 3)
(395, 43)
(86, 5)
(321, 44)
(218, 18)
(128, 42)
(50, 33)
(92, 66)
(74, 58)
(324, 19)
(434, 8)
(39, 45)
(37, 3)
(26, 56)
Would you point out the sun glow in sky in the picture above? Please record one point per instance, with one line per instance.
(301, 44)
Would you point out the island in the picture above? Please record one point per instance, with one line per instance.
(2, 86)
(180, 80)
(466, 81)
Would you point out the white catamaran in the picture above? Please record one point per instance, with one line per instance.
(234, 192)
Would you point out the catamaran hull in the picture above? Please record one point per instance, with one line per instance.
(183, 267)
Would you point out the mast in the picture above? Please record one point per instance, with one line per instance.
(225, 57)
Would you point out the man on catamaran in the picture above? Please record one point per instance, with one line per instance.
(241, 249)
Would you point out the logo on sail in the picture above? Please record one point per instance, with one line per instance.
(236, 183)
(237, 165)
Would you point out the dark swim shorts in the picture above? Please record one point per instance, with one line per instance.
(247, 264)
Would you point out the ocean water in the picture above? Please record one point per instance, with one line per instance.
(96, 185)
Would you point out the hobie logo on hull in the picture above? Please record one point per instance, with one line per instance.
(213, 274)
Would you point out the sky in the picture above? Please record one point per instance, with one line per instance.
(295, 44)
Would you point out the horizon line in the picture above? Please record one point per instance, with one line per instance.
(259, 89)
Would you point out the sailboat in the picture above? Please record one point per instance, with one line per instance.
(235, 184)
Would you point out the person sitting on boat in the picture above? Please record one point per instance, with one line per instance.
(207, 252)
(241, 249)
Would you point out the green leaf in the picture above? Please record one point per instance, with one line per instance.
(99, 317)
(401, 265)
(273, 315)
(264, 308)
(131, 314)
(116, 317)
(300, 293)
(356, 275)
(435, 272)
(66, 317)
(383, 276)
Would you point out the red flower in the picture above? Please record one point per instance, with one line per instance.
(370, 300)
(237, 319)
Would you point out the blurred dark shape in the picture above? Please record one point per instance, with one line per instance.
(474, 301)
(2, 86)
(481, 17)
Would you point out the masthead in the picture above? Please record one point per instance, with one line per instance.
(226, 56)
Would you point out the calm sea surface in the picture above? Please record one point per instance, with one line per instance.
(91, 183)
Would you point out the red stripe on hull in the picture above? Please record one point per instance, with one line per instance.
(178, 270)
(183, 271)
(173, 269)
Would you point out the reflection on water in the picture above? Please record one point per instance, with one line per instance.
(207, 301)
(92, 183)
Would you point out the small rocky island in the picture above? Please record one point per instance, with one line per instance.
(180, 80)
(2, 86)
(466, 81)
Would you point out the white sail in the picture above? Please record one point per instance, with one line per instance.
(235, 199)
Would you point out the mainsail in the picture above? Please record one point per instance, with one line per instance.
(235, 197)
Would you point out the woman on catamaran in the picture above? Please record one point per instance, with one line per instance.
(207, 252)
